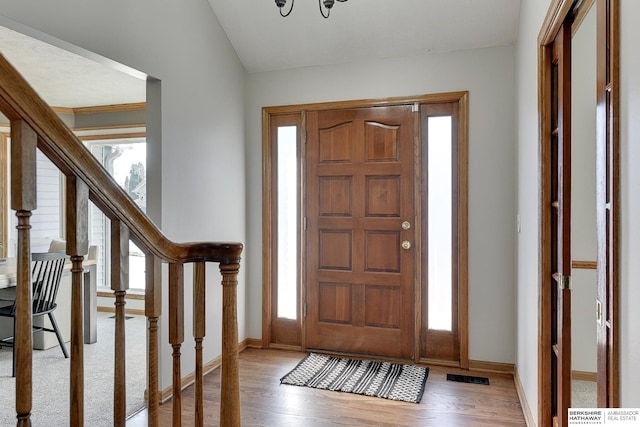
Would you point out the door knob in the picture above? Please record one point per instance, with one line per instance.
(406, 244)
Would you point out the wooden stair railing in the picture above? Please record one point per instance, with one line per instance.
(35, 125)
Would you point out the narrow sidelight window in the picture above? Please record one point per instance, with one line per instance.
(281, 264)
(287, 234)
(439, 205)
(443, 332)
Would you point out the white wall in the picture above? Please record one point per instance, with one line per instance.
(196, 137)
(532, 14)
(488, 75)
(630, 204)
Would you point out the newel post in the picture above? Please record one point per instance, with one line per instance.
(229, 381)
(24, 141)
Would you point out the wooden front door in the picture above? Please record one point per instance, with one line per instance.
(360, 231)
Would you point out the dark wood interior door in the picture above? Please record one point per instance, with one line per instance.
(360, 231)
(560, 139)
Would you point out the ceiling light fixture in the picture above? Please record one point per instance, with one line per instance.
(328, 4)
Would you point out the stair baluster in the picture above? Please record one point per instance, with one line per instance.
(176, 334)
(119, 285)
(77, 226)
(23, 201)
(199, 326)
(153, 309)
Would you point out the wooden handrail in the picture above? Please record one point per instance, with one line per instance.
(35, 124)
(18, 101)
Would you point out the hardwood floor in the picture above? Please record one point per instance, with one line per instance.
(267, 403)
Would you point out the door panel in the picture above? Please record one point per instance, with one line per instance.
(360, 280)
(608, 201)
(560, 140)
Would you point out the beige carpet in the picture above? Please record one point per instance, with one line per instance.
(51, 378)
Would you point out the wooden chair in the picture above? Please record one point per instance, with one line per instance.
(46, 272)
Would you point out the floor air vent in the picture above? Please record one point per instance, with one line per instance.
(468, 379)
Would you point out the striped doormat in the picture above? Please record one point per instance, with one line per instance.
(379, 379)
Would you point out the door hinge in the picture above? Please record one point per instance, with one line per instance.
(304, 223)
(564, 282)
(598, 312)
(304, 309)
(415, 107)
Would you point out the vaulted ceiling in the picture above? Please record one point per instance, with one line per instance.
(264, 41)
(361, 29)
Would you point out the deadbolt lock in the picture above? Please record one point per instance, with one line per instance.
(406, 225)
